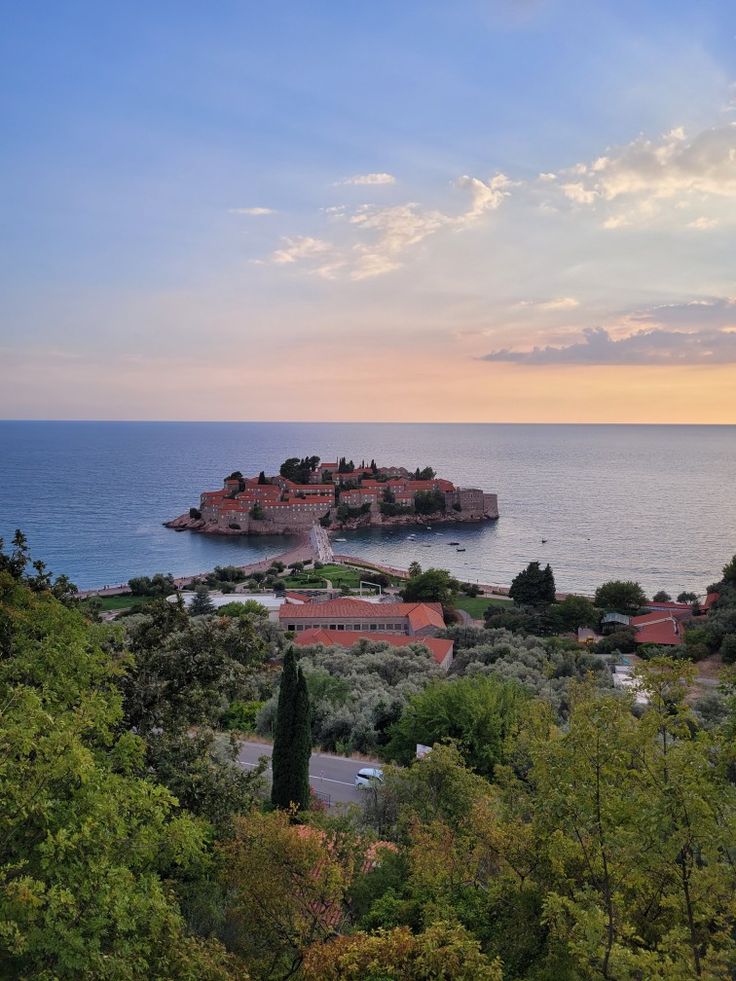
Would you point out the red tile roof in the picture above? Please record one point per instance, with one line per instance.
(658, 628)
(418, 614)
(710, 599)
(438, 647)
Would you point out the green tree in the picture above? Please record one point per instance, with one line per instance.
(262, 478)
(622, 596)
(250, 608)
(160, 584)
(662, 597)
(443, 950)
(477, 713)
(728, 649)
(292, 743)
(90, 847)
(687, 597)
(432, 586)
(201, 604)
(573, 612)
(414, 570)
(729, 571)
(533, 586)
(429, 502)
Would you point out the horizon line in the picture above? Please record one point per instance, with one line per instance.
(356, 422)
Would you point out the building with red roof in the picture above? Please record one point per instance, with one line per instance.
(661, 628)
(360, 616)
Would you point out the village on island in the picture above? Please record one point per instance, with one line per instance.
(337, 496)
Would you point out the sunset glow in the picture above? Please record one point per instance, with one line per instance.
(211, 219)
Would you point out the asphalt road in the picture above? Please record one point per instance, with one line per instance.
(333, 776)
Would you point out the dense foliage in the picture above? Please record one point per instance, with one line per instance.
(356, 695)
(551, 833)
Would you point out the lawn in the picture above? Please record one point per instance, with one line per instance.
(477, 605)
(338, 575)
(122, 602)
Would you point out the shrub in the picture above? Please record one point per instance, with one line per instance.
(241, 716)
(728, 649)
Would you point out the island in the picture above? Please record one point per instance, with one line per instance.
(335, 495)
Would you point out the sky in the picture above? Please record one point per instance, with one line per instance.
(499, 211)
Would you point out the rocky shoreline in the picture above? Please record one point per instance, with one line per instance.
(186, 523)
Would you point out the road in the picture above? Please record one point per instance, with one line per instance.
(333, 776)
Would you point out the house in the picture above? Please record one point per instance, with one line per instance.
(663, 629)
(440, 648)
(360, 616)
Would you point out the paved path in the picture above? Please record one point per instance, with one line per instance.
(331, 775)
(321, 544)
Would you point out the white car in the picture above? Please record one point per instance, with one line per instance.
(368, 776)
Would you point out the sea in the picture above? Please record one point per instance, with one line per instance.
(656, 504)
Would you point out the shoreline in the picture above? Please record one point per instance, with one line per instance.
(307, 548)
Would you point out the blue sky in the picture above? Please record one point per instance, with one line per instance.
(201, 202)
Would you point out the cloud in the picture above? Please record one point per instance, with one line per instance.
(299, 247)
(673, 166)
(257, 212)
(555, 303)
(702, 224)
(378, 237)
(363, 179)
(711, 311)
(485, 196)
(647, 347)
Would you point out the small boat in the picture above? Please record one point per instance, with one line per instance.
(428, 527)
(453, 543)
(341, 539)
(544, 541)
(459, 549)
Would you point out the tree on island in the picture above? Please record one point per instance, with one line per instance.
(262, 477)
(201, 604)
(299, 471)
(622, 596)
(534, 586)
(292, 742)
(686, 597)
(426, 474)
(429, 502)
(662, 597)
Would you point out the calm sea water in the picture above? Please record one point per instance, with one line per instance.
(653, 503)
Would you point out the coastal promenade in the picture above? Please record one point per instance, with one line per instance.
(315, 546)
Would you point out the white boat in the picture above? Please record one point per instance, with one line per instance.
(341, 539)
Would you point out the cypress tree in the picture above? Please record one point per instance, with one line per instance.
(302, 746)
(292, 744)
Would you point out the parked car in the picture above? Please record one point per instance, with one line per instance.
(368, 776)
